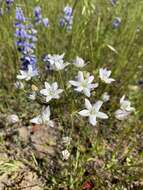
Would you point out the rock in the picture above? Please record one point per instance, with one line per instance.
(24, 134)
(12, 119)
(45, 140)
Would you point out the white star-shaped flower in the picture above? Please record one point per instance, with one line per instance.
(92, 112)
(79, 62)
(84, 84)
(26, 75)
(105, 97)
(56, 62)
(51, 91)
(125, 109)
(65, 154)
(126, 104)
(43, 118)
(104, 76)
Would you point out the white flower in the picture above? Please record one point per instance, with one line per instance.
(126, 104)
(66, 140)
(125, 109)
(51, 91)
(13, 118)
(92, 111)
(84, 84)
(104, 75)
(32, 96)
(43, 118)
(27, 75)
(65, 154)
(19, 85)
(121, 114)
(79, 62)
(105, 97)
(56, 62)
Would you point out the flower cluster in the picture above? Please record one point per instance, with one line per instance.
(83, 84)
(50, 92)
(92, 111)
(67, 19)
(25, 42)
(55, 62)
(38, 17)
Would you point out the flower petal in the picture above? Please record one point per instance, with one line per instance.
(102, 115)
(55, 86)
(86, 91)
(79, 89)
(121, 114)
(47, 85)
(44, 92)
(88, 104)
(48, 98)
(122, 99)
(80, 76)
(59, 91)
(98, 105)
(74, 83)
(36, 120)
(90, 79)
(46, 114)
(84, 113)
(110, 80)
(20, 77)
(108, 73)
(92, 120)
(30, 70)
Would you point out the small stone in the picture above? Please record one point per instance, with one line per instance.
(12, 119)
(24, 134)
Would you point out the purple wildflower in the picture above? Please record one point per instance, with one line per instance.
(37, 14)
(116, 23)
(62, 22)
(19, 15)
(46, 22)
(26, 38)
(113, 2)
(67, 19)
(28, 60)
(8, 4)
(68, 11)
(38, 17)
(1, 11)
